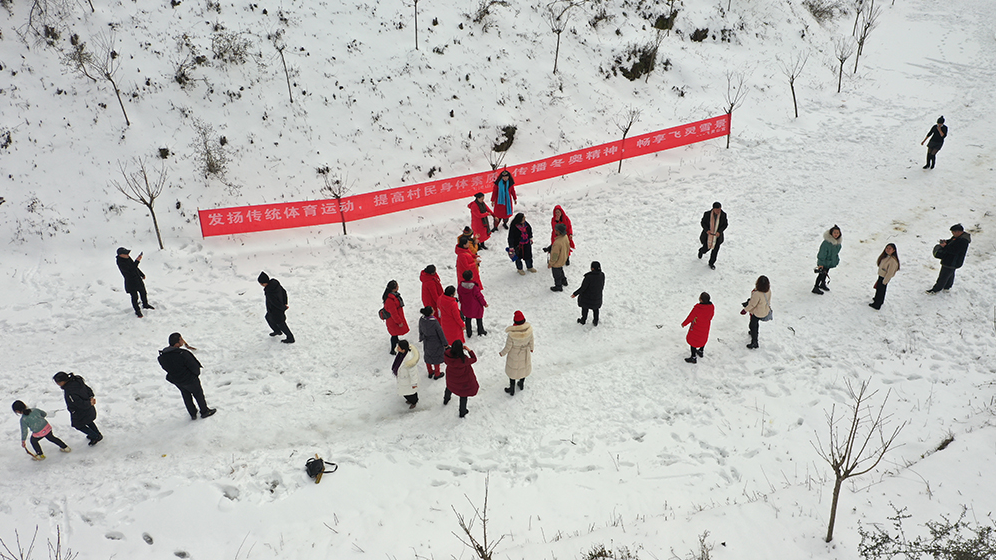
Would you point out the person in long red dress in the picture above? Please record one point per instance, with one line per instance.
(698, 334)
(479, 213)
(432, 287)
(503, 198)
(466, 260)
(395, 307)
(449, 316)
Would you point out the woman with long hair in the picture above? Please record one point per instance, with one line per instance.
(460, 378)
(888, 266)
(394, 308)
(759, 307)
(520, 243)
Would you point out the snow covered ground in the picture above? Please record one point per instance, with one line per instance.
(615, 440)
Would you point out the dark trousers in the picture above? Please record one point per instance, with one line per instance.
(85, 424)
(279, 324)
(754, 322)
(704, 238)
(879, 293)
(594, 315)
(139, 293)
(463, 401)
(945, 279)
(394, 344)
(821, 277)
(412, 398)
(480, 326)
(192, 392)
(525, 253)
(511, 384)
(50, 437)
(698, 351)
(559, 278)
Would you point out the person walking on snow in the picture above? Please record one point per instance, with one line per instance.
(472, 303)
(80, 403)
(466, 260)
(827, 258)
(936, 135)
(450, 318)
(432, 287)
(134, 279)
(276, 307)
(405, 364)
(713, 225)
(518, 349)
(33, 420)
(759, 307)
(395, 319)
(700, 319)
(590, 293)
(430, 334)
(503, 198)
(952, 254)
(888, 266)
(460, 378)
(183, 370)
(520, 243)
(479, 213)
(560, 251)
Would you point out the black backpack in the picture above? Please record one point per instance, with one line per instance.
(316, 468)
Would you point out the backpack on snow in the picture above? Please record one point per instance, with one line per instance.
(316, 468)
(384, 314)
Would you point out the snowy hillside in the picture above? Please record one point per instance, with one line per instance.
(615, 440)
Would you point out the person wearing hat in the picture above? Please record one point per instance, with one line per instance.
(479, 213)
(80, 403)
(276, 307)
(519, 349)
(560, 251)
(503, 198)
(183, 370)
(936, 135)
(713, 225)
(134, 279)
(590, 293)
(952, 254)
(430, 334)
(826, 258)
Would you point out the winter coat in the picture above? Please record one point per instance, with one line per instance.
(720, 226)
(467, 261)
(953, 252)
(78, 397)
(759, 304)
(519, 348)
(471, 300)
(936, 136)
(521, 243)
(827, 257)
(460, 378)
(405, 366)
(276, 298)
(700, 318)
(133, 276)
(450, 319)
(888, 268)
(560, 251)
(563, 220)
(34, 422)
(479, 220)
(181, 367)
(430, 334)
(590, 293)
(503, 197)
(396, 323)
(432, 288)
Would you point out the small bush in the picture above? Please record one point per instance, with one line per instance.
(637, 61)
(948, 540)
(699, 35)
(484, 9)
(599, 552)
(505, 140)
(824, 11)
(208, 150)
(601, 16)
(666, 22)
(230, 48)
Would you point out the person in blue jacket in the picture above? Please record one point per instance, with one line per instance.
(827, 258)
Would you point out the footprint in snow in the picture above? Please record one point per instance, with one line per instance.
(147, 538)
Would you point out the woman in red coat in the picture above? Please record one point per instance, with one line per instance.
(698, 334)
(560, 217)
(467, 260)
(395, 307)
(449, 316)
(460, 378)
(479, 213)
(432, 288)
(503, 198)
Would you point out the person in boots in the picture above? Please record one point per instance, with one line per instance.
(33, 420)
(590, 293)
(479, 213)
(460, 378)
(520, 243)
(472, 303)
(134, 279)
(276, 307)
(394, 308)
(827, 258)
(503, 198)
(183, 370)
(936, 135)
(518, 349)
(713, 225)
(80, 403)
(759, 307)
(404, 368)
(888, 266)
(430, 334)
(952, 254)
(432, 287)
(700, 320)
(560, 251)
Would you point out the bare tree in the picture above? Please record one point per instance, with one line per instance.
(843, 49)
(859, 6)
(277, 38)
(736, 92)
(624, 122)
(792, 69)
(483, 549)
(869, 20)
(557, 14)
(99, 64)
(854, 453)
(337, 187)
(139, 187)
(416, 24)
(503, 141)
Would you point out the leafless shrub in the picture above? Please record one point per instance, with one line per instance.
(483, 9)
(230, 47)
(736, 92)
(824, 11)
(557, 14)
(209, 150)
(279, 44)
(869, 20)
(843, 49)
(138, 187)
(337, 187)
(625, 121)
(99, 64)
(483, 549)
(792, 69)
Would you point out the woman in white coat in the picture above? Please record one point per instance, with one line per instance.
(519, 349)
(405, 369)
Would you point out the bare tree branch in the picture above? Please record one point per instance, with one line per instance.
(624, 122)
(736, 92)
(138, 187)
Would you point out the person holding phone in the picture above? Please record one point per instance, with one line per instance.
(134, 279)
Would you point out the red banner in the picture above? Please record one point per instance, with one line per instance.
(264, 217)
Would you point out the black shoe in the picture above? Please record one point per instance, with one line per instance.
(824, 288)
(482, 333)
(700, 352)
(752, 346)
(481, 246)
(522, 383)
(95, 441)
(208, 412)
(463, 413)
(193, 416)
(546, 249)
(510, 390)
(505, 224)
(147, 306)
(565, 281)
(580, 321)
(701, 252)
(446, 400)
(691, 360)
(594, 323)
(440, 376)
(393, 352)
(926, 166)
(873, 306)
(556, 289)
(138, 314)
(712, 266)
(816, 290)
(288, 341)
(276, 333)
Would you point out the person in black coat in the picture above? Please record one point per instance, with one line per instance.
(134, 279)
(80, 403)
(936, 135)
(952, 254)
(713, 226)
(184, 371)
(590, 293)
(276, 307)
(520, 243)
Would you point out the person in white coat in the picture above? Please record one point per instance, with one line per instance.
(519, 349)
(405, 370)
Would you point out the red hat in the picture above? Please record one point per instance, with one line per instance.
(519, 318)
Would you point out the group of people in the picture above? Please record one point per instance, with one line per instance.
(80, 402)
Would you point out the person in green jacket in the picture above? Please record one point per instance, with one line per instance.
(827, 258)
(34, 419)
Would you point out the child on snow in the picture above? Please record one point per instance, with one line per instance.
(405, 364)
(34, 419)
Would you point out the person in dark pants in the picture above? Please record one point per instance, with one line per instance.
(713, 225)
(590, 293)
(460, 378)
(888, 266)
(936, 135)
(560, 251)
(276, 307)
(520, 243)
(80, 403)
(826, 258)
(952, 254)
(759, 306)
(184, 371)
(33, 420)
(134, 279)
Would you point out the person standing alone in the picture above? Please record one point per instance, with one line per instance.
(827, 258)
(713, 225)
(952, 254)
(276, 307)
(134, 279)
(590, 293)
(936, 135)
(888, 266)
(183, 370)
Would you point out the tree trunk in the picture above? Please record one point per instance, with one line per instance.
(155, 223)
(416, 24)
(622, 151)
(833, 507)
(342, 216)
(556, 54)
(118, 93)
(286, 75)
(795, 105)
(840, 75)
(856, 57)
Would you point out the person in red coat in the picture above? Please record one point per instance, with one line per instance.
(395, 307)
(700, 319)
(479, 213)
(449, 316)
(432, 288)
(460, 378)
(466, 260)
(503, 198)
(560, 217)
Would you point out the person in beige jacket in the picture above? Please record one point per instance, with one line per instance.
(560, 251)
(519, 348)
(888, 266)
(759, 306)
